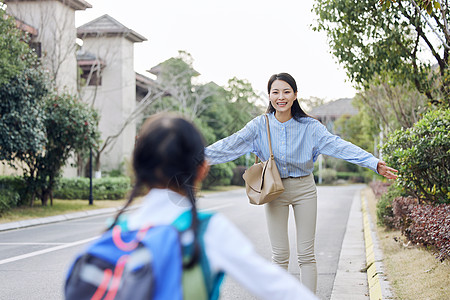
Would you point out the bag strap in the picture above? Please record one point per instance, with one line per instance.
(268, 138)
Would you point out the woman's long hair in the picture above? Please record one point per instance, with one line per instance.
(167, 154)
(296, 110)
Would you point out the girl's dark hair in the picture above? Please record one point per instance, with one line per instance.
(167, 154)
(296, 110)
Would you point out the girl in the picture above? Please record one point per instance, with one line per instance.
(169, 160)
(297, 141)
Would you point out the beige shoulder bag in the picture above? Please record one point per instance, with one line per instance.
(262, 180)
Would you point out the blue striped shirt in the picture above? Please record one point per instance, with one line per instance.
(296, 145)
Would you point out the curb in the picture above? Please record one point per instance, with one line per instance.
(379, 288)
(57, 218)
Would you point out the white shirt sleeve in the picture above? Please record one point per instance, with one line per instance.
(228, 250)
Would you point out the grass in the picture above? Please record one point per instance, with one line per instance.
(412, 271)
(68, 206)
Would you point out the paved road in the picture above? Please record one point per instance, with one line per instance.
(333, 210)
(34, 260)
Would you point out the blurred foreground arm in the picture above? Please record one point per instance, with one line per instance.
(230, 251)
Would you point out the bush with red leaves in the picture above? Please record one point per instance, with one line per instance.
(421, 223)
(401, 209)
(430, 226)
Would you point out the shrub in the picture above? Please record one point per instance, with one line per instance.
(17, 186)
(421, 154)
(8, 200)
(423, 224)
(329, 176)
(401, 209)
(111, 188)
(385, 213)
(220, 174)
(351, 176)
(430, 226)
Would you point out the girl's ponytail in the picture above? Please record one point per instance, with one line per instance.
(168, 154)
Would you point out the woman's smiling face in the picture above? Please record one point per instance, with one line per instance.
(282, 96)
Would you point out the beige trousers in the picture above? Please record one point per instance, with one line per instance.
(301, 193)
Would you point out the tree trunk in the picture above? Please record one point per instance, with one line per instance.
(33, 196)
(45, 196)
(97, 161)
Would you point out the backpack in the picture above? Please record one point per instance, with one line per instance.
(144, 264)
(198, 282)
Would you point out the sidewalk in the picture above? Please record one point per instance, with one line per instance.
(359, 248)
(350, 283)
(360, 273)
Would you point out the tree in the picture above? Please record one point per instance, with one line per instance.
(70, 127)
(242, 99)
(391, 106)
(22, 129)
(359, 129)
(56, 37)
(23, 84)
(428, 5)
(217, 111)
(394, 43)
(175, 78)
(309, 103)
(14, 51)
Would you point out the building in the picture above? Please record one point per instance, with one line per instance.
(329, 112)
(105, 62)
(54, 22)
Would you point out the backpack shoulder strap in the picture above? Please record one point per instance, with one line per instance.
(183, 222)
(211, 282)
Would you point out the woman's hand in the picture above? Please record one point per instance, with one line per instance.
(386, 171)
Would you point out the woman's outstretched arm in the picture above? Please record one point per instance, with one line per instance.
(234, 146)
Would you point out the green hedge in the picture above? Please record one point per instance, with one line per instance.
(422, 154)
(13, 192)
(8, 200)
(108, 188)
(220, 174)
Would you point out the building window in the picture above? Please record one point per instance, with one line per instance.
(36, 46)
(91, 77)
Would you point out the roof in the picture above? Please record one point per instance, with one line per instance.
(157, 69)
(108, 26)
(74, 4)
(26, 28)
(144, 85)
(335, 109)
(85, 58)
(143, 80)
(77, 4)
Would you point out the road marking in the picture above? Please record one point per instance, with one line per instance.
(31, 254)
(68, 245)
(217, 207)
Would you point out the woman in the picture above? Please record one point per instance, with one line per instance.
(297, 141)
(169, 160)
